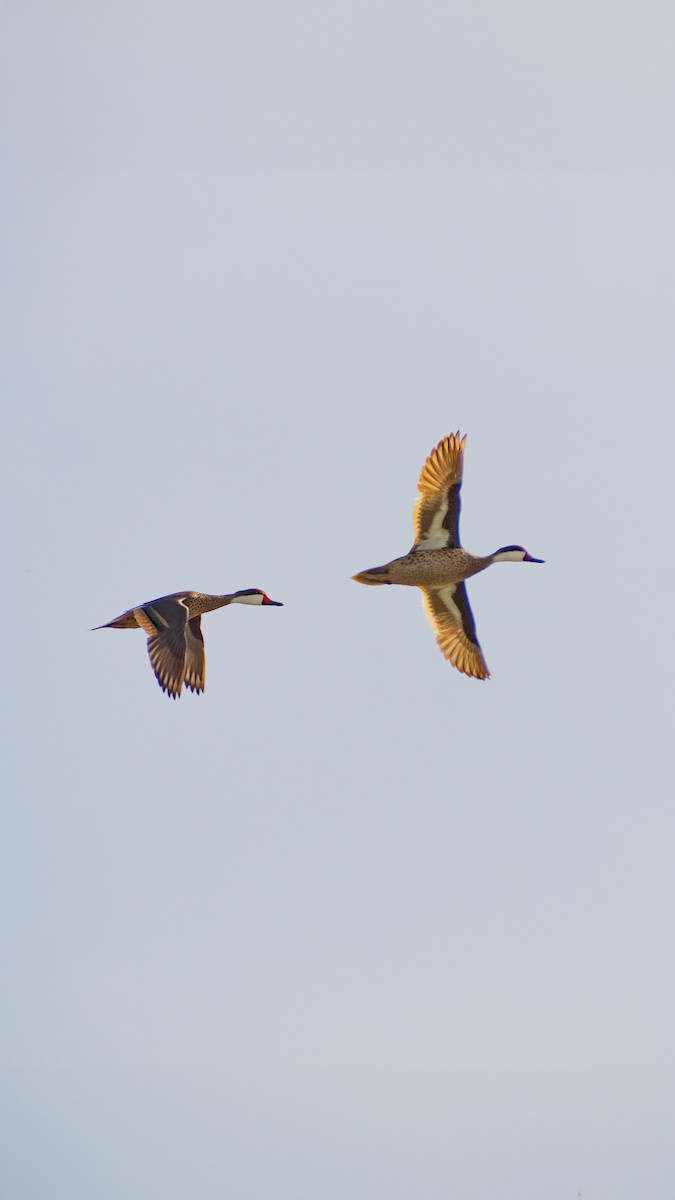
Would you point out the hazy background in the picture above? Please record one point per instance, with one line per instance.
(349, 925)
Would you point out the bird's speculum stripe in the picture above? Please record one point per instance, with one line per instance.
(152, 616)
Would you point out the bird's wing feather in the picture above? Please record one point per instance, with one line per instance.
(436, 513)
(195, 658)
(449, 614)
(165, 621)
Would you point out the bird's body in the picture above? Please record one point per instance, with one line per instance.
(175, 641)
(438, 564)
(425, 568)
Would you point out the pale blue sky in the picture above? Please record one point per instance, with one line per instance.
(349, 924)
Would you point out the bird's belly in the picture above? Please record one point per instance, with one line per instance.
(430, 568)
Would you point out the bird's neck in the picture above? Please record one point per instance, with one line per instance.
(201, 603)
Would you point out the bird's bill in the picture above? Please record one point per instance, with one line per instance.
(529, 558)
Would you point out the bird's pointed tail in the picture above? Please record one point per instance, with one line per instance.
(373, 577)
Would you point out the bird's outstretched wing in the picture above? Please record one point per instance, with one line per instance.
(449, 614)
(436, 513)
(165, 622)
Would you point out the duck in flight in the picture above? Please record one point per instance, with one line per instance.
(175, 642)
(437, 563)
